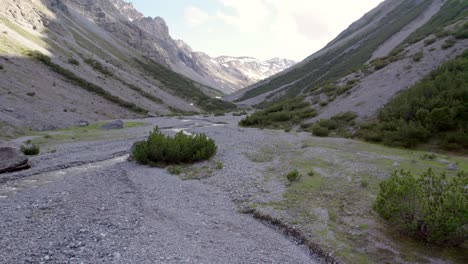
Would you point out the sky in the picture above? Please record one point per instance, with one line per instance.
(265, 29)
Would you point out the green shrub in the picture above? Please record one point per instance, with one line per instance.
(30, 149)
(320, 131)
(1, 67)
(73, 61)
(241, 113)
(161, 150)
(418, 56)
(433, 110)
(281, 115)
(293, 176)
(364, 183)
(311, 173)
(430, 207)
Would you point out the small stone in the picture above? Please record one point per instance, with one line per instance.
(11, 110)
(443, 161)
(116, 255)
(118, 124)
(396, 164)
(452, 166)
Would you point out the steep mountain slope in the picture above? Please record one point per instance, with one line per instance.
(154, 39)
(385, 52)
(80, 70)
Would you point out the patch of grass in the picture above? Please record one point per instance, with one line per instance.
(429, 41)
(219, 165)
(280, 116)
(241, 113)
(174, 170)
(293, 176)
(160, 150)
(30, 149)
(91, 87)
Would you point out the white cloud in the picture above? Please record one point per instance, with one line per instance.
(299, 27)
(194, 16)
(247, 15)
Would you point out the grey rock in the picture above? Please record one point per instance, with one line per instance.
(118, 124)
(11, 159)
(443, 161)
(396, 164)
(48, 128)
(83, 123)
(452, 166)
(11, 110)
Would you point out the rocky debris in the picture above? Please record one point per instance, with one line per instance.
(396, 164)
(83, 123)
(48, 128)
(10, 110)
(443, 161)
(452, 166)
(117, 124)
(11, 159)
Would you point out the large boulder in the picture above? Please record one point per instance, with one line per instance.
(11, 159)
(118, 124)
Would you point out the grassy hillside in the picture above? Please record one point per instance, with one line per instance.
(182, 87)
(339, 61)
(435, 110)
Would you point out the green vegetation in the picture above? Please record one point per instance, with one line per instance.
(98, 66)
(462, 32)
(91, 87)
(30, 149)
(430, 207)
(161, 150)
(337, 62)
(183, 87)
(142, 92)
(73, 61)
(418, 56)
(293, 176)
(337, 125)
(1, 67)
(449, 43)
(433, 110)
(281, 115)
(451, 11)
(219, 165)
(241, 113)
(174, 169)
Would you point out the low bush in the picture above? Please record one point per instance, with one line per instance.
(73, 61)
(429, 41)
(281, 115)
(418, 56)
(429, 207)
(30, 149)
(320, 131)
(434, 110)
(293, 176)
(161, 150)
(337, 125)
(1, 67)
(98, 66)
(450, 42)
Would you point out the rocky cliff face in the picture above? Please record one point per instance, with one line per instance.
(155, 41)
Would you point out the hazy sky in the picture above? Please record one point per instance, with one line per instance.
(292, 29)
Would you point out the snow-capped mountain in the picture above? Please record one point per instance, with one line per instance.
(227, 74)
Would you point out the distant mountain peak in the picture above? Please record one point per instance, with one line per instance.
(127, 9)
